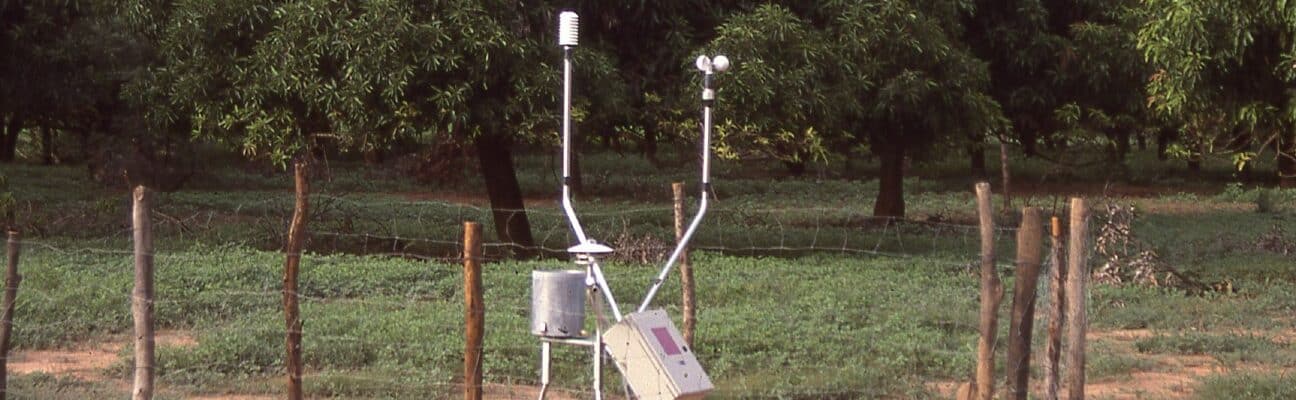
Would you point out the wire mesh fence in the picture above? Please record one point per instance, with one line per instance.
(382, 297)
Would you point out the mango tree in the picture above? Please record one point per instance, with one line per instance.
(891, 74)
(1226, 68)
(277, 79)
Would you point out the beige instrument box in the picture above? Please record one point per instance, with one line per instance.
(654, 358)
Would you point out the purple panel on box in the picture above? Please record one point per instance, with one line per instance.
(666, 341)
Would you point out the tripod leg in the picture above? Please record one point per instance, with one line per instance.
(598, 364)
(544, 369)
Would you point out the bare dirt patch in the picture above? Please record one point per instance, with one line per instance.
(83, 361)
(231, 397)
(1176, 377)
(88, 361)
(1122, 335)
(1173, 376)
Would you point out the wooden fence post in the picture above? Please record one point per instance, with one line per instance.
(142, 297)
(292, 264)
(686, 268)
(10, 295)
(1056, 311)
(991, 295)
(474, 311)
(1077, 316)
(1030, 238)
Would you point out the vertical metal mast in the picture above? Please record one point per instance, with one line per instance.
(567, 29)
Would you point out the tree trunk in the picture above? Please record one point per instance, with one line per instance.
(890, 198)
(1122, 145)
(1142, 141)
(9, 141)
(577, 178)
(1163, 143)
(47, 146)
(84, 139)
(977, 153)
(1028, 137)
(649, 147)
(374, 156)
(796, 168)
(1287, 168)
(511, 225)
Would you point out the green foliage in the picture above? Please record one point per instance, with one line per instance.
(1223, 69)
(271, 79)
(62, 66)
(773, 101)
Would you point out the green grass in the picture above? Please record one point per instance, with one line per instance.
(1199, 343)
(384, 318)
(41, 386)
(1248, 386)
(1226, 348)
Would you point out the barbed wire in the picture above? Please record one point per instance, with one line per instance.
(789, 231)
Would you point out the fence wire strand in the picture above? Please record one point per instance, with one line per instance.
(426, 232)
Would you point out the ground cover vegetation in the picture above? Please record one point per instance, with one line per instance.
(792, 274)
(838, 263)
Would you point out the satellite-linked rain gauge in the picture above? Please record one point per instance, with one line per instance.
(644, 345)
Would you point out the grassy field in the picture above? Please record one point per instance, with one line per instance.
(801, 293)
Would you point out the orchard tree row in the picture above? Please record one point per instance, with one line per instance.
(137, 84)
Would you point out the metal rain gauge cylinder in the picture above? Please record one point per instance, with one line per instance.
(557, 303)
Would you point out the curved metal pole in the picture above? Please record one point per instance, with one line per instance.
(595, 272)
(566, 147)
(708, 98)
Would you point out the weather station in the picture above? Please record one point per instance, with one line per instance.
(645, 347)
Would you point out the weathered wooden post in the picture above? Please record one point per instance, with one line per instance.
(1077, 316)
(142, 296)
(474, 312)
(1056, 312)
(10, 295)
(991, 295)
(686, 268)
(292, 264)
(1029, 245)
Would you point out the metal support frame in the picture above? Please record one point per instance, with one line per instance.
(587, 251)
